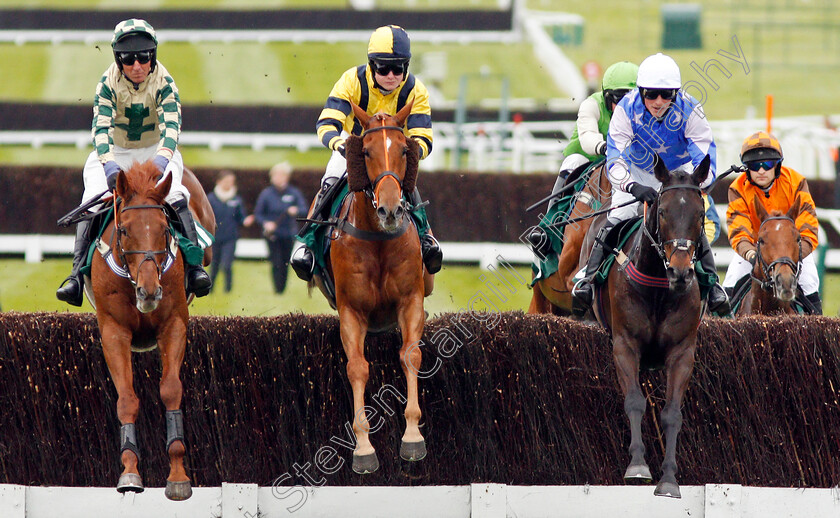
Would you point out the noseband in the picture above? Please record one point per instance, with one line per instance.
(681, 244)
(148, 255)
(373, 191)
(768, 283)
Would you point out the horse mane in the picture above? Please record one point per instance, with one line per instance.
(142, 179)
(357, 178)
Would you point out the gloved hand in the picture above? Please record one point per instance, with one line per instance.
(751, 256)
(161, 162)
(601, 148)
(643, 192)
(111, 170)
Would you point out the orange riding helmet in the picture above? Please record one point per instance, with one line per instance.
(762, 145)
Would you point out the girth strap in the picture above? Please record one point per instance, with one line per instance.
(345, 226)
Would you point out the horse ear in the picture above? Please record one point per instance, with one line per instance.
(360, 114)
(793, 212)
(702, 171)
(660, 170)
(760, 211)
(412, 163)
(403, 114)
(122, 187)
(357, 177)
(162, 189)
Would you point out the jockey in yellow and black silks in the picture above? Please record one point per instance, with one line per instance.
(136, 118)
(776, 187)
(384, 84)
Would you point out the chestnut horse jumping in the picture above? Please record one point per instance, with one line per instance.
(653, 323)
(379, 276)
(554, 293)
(775, 276)
(143, 305)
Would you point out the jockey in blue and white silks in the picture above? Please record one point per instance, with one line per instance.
(656, 119)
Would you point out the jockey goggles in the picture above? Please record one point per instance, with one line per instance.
(615, 96)
(128, 58)
(666, 94)
(767, 165)
(384, 68)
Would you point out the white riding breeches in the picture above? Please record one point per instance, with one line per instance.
(94, 172)
(618, 214)
(572, 162)
(337, 165)
(809, 279)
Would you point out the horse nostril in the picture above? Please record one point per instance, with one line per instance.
(399, 212)
(141, 293)
(159, 293)
(381, 212)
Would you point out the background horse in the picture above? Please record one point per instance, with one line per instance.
(137, 281)
(554, 293)
(775, 276)
(376, 263)
(657, 326)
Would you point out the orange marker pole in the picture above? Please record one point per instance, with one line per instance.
(769, 111)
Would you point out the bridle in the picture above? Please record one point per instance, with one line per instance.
(680, 244)
(768, 283)
(372, 192)
(148, 255)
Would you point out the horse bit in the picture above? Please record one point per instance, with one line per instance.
(680, 244)
(148, 255)
(768, 283)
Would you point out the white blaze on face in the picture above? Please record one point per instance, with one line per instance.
(683, 200)
(388, 144)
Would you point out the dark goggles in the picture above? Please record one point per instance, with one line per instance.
(755, 165)
(667, 94)
(383, 69)
(615, 96)
(128, 58)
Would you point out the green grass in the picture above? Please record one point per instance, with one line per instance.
(31, 287)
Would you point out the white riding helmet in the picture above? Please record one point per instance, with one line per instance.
(659, 71)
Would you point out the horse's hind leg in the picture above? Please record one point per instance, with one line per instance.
(172, 348)
(679, 367)
(627, 366)
(411, 319)
(116, 345)
(353, 330)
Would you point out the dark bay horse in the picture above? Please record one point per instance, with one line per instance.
(137, 283)
(775, 276)
(656, 326)
(379, 276)
(554, 293)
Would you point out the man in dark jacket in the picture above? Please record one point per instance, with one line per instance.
(278, 206)
(230, 215)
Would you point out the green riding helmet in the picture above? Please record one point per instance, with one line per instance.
(619, 79)
(134, 35)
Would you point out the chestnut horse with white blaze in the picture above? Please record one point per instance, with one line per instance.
(137, 287)
(375, 259)
(775, 276)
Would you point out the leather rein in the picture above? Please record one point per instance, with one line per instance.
(148, 255)
(768, 284)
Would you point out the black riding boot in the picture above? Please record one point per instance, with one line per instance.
(538, 237)
(71, 290)
(303, 260)
(198, 282)
(583, 290)
(814, 299)
(718, 299)
(429, 246)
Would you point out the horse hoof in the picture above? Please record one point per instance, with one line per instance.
(130, 482)
(178, 490)
(669, 489)
(639, 472)
(364, 464)
(413, 451)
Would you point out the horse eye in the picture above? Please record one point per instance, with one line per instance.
(366, 152)
(761, 241)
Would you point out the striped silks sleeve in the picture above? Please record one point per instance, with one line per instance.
(806, 221)
(419, 122)
(738, 220)
(337, 109)
(103, 120)
(169, 117)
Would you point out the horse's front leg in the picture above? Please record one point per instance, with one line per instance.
(116, 345)
(353, 327)
(626, 360)
(172, 343)
(411, 319)
(679, 366)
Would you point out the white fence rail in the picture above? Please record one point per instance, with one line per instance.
(473, 501)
